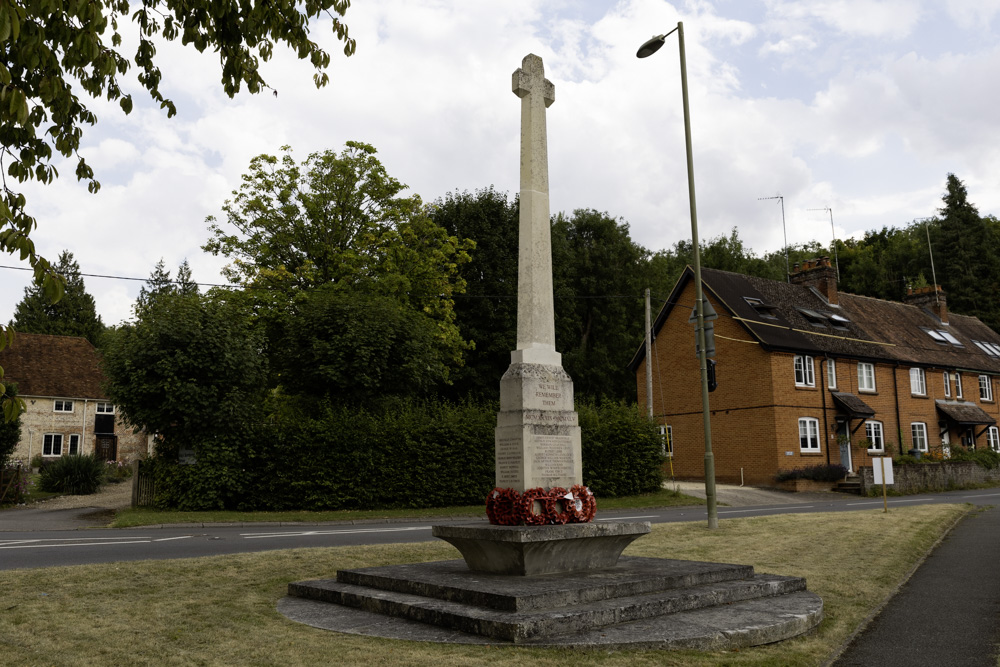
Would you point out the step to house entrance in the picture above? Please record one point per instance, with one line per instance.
(850, 484)
(641, 602)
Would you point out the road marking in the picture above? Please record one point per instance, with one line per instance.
(766, 509)
(77, 544)
(179, 537)
(982, 495)
(619, 518)
(875, 502)
(306, 533)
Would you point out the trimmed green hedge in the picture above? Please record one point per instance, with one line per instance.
(399, 454)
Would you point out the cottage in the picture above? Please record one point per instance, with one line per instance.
(809, 376)
(59, 378)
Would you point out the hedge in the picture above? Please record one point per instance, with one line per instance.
(399, 454)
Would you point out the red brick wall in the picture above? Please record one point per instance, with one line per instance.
(756, 408)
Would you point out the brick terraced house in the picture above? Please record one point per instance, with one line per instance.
(808, 376)
(59, 378)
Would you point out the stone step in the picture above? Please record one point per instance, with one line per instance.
(726, 627)
(519, 627)
(452, 581)
(848, 486)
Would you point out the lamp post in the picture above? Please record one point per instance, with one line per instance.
(646, 50)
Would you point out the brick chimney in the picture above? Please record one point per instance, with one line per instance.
(817, 273)
(931, 297)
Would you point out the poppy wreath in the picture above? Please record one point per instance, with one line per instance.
(562, 506)
(527, 507)
(584, 504)
(503, 507)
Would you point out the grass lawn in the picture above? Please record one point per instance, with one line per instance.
(147, 516)
(221, 610)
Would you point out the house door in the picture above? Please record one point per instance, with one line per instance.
(106, 447)
(844, 438)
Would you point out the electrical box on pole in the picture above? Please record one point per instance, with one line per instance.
(709, 314)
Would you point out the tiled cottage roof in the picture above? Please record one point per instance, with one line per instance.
(58, 366)
(797, 318)
(851, 404)
(965, 414)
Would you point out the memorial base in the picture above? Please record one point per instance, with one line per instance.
(532, 550)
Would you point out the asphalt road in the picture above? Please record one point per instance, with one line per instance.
(50, 548)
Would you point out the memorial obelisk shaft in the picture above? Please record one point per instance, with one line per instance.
(537, 434)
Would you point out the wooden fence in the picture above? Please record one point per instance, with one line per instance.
(143, 485)
(10, 487)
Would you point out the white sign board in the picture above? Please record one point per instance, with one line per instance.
(880, 463)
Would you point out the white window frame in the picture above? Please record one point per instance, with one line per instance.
(105, 408)
(866, 373)
(831, 373)
(958, 385)
(918, 432)
(809, 435)
(985, 388)
(875, 435)
(918, 382)
(53, 442)
(73, 441)
(62, 405)
(805, 373)
(947, 384)
(993, 438)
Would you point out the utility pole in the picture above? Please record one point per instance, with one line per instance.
(649, 360)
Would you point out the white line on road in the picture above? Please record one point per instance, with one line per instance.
(982, 495)
(179, 537)
(879, 502)
(619, 518)
(766, 509)
(76, 544)
(304, 533)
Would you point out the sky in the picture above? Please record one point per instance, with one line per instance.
(858, 108)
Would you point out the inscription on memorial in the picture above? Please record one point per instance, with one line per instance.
(509, 458)
(553, 456)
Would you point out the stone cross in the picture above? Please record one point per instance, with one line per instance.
(538, 432)
(536, 334)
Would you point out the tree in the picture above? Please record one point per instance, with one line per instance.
(338, 221)
(159, 283)
(75, 314)
(966, 249)
(598, 283)
(487, 314)
(190, 370)
(52, 50)
(10, 432)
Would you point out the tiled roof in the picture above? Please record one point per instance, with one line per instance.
(58, 366)
(965, 414)
(865, 328)
(852, 405)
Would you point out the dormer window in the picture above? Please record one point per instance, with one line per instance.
(941, 336)
(814, 317)
(765, 310)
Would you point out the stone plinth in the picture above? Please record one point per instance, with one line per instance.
(534, 550)
(537, 434)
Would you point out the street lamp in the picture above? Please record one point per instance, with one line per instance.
(646, 50)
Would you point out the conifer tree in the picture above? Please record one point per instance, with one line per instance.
(75, 314)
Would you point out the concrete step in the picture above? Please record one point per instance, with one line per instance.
(723, 627)
(452, 581)
(518, 627)
(849, 486)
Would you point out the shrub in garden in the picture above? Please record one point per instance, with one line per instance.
(827, 472)
(622, 451)
(117, 471)
(75, 474)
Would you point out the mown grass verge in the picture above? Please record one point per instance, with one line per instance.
(142, 516)
(221, 610)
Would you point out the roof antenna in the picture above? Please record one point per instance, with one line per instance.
(788, 271)
(937, 299)
(835, 260)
